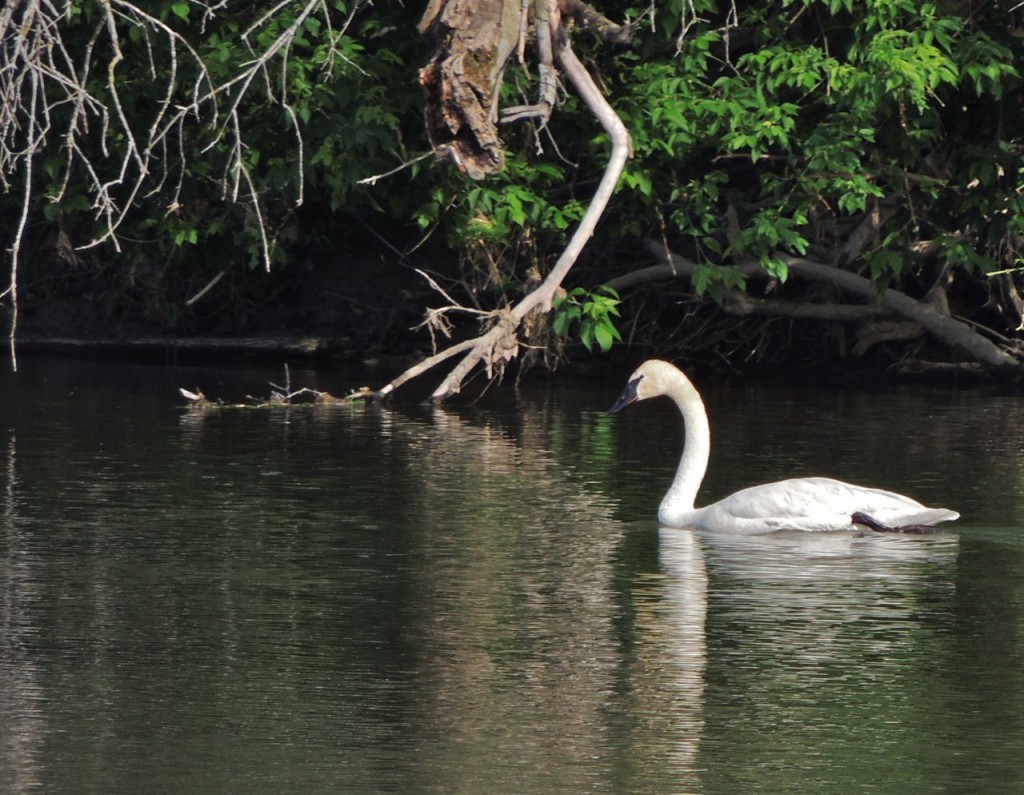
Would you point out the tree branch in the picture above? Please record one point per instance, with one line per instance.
(501, 335)
(942, 327)
(589, 18)
(496, 346)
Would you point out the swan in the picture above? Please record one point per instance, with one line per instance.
(815, 504)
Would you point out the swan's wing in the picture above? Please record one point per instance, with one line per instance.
(819, 504)
(803, 496)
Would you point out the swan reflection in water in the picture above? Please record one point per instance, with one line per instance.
(774, 647)
(670, 660)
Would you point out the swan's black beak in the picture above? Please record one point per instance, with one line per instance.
(629, 395)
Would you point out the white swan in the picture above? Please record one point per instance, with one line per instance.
(797, 504)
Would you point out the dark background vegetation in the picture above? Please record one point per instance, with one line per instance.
(882, 137)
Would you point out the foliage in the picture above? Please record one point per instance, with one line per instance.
(763, 129)
(204, 134)
(592, 312)
(199, 134)
(801, 119)
(524, 197)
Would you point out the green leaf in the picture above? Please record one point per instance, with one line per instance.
(587, 337)
(775, 267)
(605, 336)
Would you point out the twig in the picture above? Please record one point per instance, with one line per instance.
(209, 286)
(377, 177)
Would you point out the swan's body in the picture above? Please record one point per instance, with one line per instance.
(817, 504)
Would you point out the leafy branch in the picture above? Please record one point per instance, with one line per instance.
(593, 312)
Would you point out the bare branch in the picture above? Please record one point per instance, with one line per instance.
(120, 155)
(424, 366)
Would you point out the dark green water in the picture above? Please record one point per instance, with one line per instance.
(477, 599)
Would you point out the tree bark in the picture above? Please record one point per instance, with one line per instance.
(474, 40)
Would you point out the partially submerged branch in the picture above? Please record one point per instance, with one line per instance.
(280, 396)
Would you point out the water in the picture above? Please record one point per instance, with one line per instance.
(476, 599)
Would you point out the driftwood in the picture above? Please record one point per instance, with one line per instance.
(279, 397)
(927, 315)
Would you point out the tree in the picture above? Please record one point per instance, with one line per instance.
(813, 140)
(199, 127)
(872, 140)
(878, 140)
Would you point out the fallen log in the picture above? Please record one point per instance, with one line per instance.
(270, 347)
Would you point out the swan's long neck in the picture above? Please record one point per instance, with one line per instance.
(693, 463)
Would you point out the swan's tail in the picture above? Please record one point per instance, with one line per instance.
(923, 521)
(932, 516)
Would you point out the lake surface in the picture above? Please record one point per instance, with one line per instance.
(477, 598)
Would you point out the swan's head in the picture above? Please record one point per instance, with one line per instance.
(649, 380)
